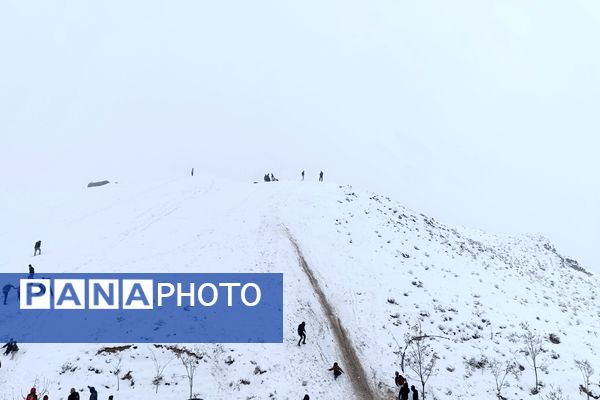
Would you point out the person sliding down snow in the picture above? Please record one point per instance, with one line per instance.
(337, 371)
(32, 395)
(11, 347)
(302, 333)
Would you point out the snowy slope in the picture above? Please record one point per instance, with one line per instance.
(381, 267)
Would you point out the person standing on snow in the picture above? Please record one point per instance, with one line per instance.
(302, 175)
(37, 249)
(321, 177)
(302, 333)
(73, 395)
(93, 393)
(31, 272)
(337, 371)
(6, 290)
(32, 395)
(415, 394)
(404, 392)
(306, 397)
(399, 379)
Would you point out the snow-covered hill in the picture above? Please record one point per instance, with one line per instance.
(380, 267)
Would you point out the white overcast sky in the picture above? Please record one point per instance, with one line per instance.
(479, 113)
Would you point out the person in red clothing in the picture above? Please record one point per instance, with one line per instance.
(32, 395)
(399, 379)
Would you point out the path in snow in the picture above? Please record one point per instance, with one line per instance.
(351, 363)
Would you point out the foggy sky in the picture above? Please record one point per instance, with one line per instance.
(483, 114)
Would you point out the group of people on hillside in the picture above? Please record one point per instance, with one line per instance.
(73, 395)
(399, 380)
(320, 176)
(269, 177)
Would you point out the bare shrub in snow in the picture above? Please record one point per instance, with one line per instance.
(556, 394)
(587, 371)
(534, 352)
(421, 358)
(500, 370)
(116, 370)
(190, 359)
(159, 369)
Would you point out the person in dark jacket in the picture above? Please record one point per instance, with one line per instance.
(399, 379)
(11, 347)
(302, 333)
(415, 394)
(74, 395)
(306, 397)
(111, 397)
(31, 271)
(267, 179)
(37, 249)
(302, 175)
(45, 397)
(404, 392)
(93, 393)
(6, 290)
(337, 371)
(321, 177)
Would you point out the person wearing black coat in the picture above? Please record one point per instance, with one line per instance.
(37, 249)
(302, 333)
(337, 370)
(415, 394)
(73, 395)
(306, 397)
(404, 392)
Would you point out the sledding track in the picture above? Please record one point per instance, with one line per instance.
(350, 363)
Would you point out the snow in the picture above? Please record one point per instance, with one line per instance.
(381, 266)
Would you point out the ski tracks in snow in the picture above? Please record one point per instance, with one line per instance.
(351, 362)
